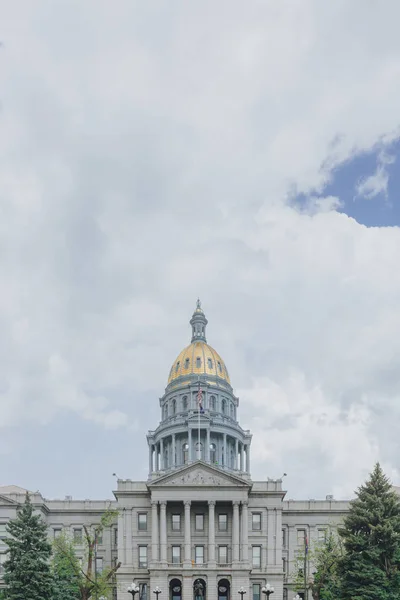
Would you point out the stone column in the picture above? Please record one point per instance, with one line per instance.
(163, 531)
(208, 445)
(245, 533)
(154, 531)
(248, 458)
(188, 543)
(150, 459)
(121, 538)
(225, 451)
(211, 532)
(162, 466)
(236, 452)
(190, 444)
(235, 531)
(129, 537)
(242, 457)
(173, 451)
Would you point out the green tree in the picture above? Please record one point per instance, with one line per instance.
(369, 569)
(325, 583)
(66, 570)
(27, 569)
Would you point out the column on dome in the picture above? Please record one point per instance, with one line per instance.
(211, 532)
(242, 457)
(190, 445)
(187, 533)
(245, 532)
(236, 453)
(173, 451)
(154, 531)
(161, 454)
(163, 531)
(235, 531)
(225, 451)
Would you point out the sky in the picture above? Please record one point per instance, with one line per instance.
(156, 152)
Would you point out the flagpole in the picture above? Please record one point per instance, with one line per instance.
(198, 408)
(305, 565)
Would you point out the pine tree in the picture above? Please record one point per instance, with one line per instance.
(66, 570)
(369, 569)
(27, 570)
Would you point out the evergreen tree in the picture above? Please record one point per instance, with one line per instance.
(27, 570)
(369, 569)
(66, 570)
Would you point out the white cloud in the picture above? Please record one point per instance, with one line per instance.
(153, 158)
(377, 183)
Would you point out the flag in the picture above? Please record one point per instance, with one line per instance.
(200, 400)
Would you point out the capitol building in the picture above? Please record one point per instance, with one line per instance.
(199, 528)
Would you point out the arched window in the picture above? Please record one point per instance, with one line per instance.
(166, 410)
(223, 406)
(213, 454)
(224, 589)
(175, 586)
(166, 458)
(186, 363)
(198, 362)
(209, 362)
(212, 402)
(177, 366)
(184, 403)
(199, 585)
(185, 453)
(231, 405)
(199, 451)
(174, 406)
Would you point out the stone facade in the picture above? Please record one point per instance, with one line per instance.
(199, 528)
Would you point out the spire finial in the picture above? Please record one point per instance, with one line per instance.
(198, 323)
(198, 303)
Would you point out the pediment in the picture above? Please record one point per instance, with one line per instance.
(199, 474)
(4, 501)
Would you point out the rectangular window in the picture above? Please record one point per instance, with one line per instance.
(283, 538)
(142, 521)
(256, 521)
(223, 555)
(284, 566)
(3, 532)
(99, 538)
(209, 363)
(99, 564)
(256, 591)
(199, 555)
(78, 536)
(256, 558)
(3, 558)
(142, 557)
(176, 522)
(301, 536)
(199, 522)
(57, 533)
(198, 362)
(322, 535)
(115, 537)
(222, 522)
(176, 554)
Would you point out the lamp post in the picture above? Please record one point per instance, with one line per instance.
(267, 590)
(297, 597)
(242, 592)
(133, 589)
(157, 591)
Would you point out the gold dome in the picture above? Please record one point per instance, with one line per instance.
(199, 359)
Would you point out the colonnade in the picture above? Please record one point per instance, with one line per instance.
(159, 541)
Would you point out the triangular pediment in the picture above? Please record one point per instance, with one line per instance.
(199, 474)
(4, 501)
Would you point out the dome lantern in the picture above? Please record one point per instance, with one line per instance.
(199, 324)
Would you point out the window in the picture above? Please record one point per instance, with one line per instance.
(199, 555)
(256, 559)
(222, 522)
(142, 521)
(284, 566)
(283, 538)
(57, 533)
(99, 564)
(256, 591)
(142, 557)
(185, 452)
(3, 532)
(213, 453)
(219, 367)
(115, 537)
(174, 406)
(184, 403)
(212, 402)
(301, 535)
(199, 522)
(186, 363)
(223, 406)
(322, 535)
(256, 521)
(198, 362)
(209, 362)
(143, 591)
(177, 366)
(78, 536)
(3, 558)
(223, 555)
(176, 554)
(99, 537)
(176, 522)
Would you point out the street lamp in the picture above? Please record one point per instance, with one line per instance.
(242, 592)
(133, 589)
(297, 597)
(157, 591)
(102, 598)
(267, 590)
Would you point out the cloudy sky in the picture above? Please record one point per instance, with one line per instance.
(243, 152)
